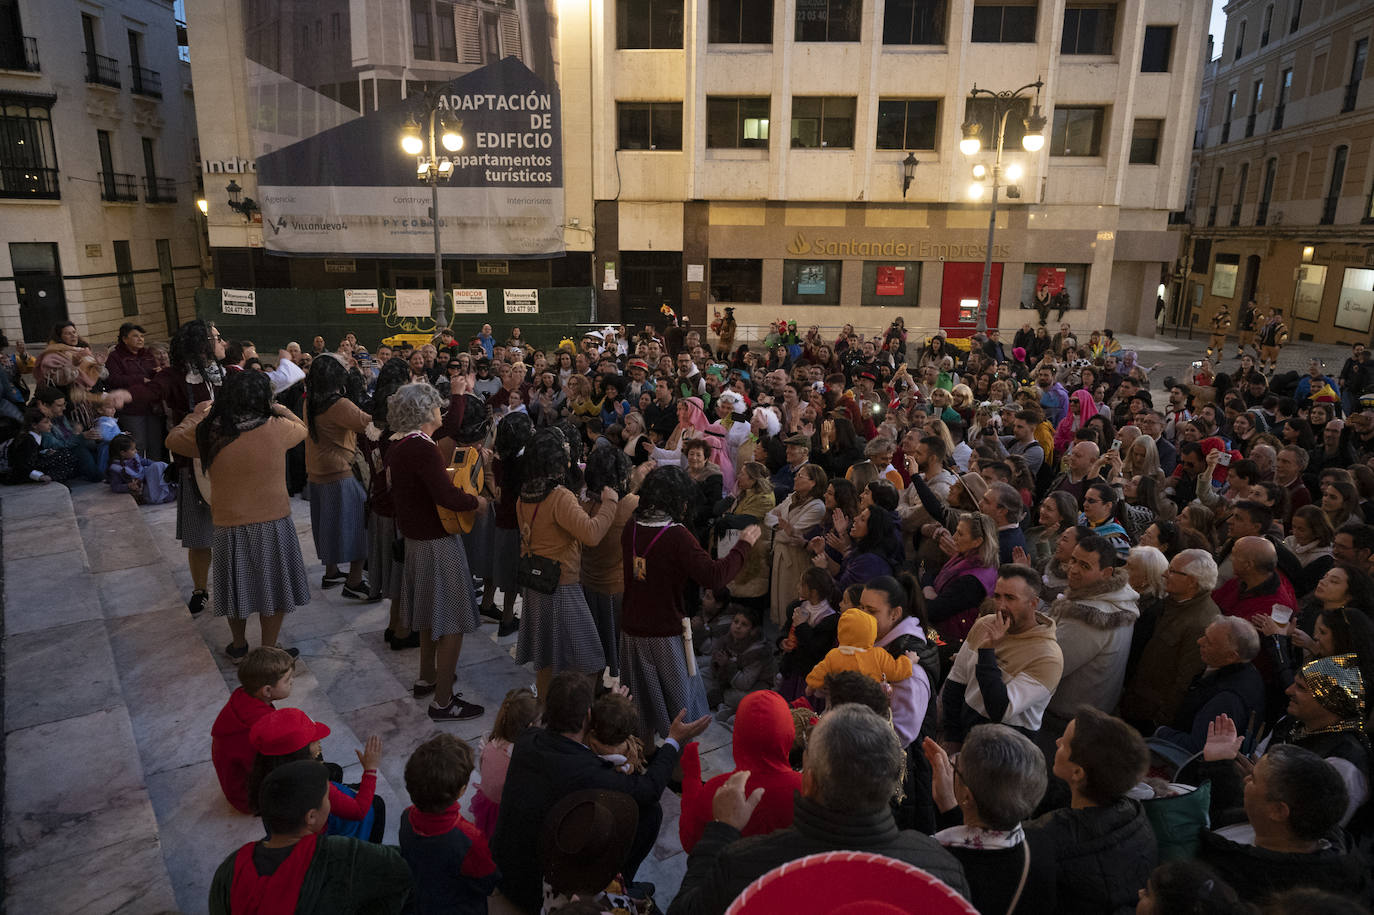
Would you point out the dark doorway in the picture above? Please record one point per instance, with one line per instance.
(38, 279)
(649, 280)
(1252, 265)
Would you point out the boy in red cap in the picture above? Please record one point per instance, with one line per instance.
(266, 675)
(289, 734)
(296, 869)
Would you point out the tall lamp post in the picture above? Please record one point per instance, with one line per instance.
(1003, 103)
(433, 168)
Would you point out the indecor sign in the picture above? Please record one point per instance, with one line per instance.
(800, 245)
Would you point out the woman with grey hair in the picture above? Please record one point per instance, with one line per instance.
(994, 783)
(436, 585)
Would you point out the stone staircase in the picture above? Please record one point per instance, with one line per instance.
(111, 801)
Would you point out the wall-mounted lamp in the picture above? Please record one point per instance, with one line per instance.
(1308, 252)
(203, 205)
(246, 207)
(908, 172)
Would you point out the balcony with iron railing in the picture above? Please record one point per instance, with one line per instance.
(146, 82)
(29, 182)
(102, 70)
(116, 187)
(19, 55)
(159, 190)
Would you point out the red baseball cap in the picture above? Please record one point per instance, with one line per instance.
(849, 882)
(285, 731)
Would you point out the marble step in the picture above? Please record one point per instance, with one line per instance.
(80, 829)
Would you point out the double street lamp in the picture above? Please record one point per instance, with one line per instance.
(1003, 104)
(433, 168)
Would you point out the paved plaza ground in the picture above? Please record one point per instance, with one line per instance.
(110, 687)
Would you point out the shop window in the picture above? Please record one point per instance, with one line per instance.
(908, 123)
(891, 283)
(736, 280)
(1055, 278)
(1088, 29)
(1000, 23)
(914, 22)
(737, 123)
(1356, 303)
(1077, 131)
(1224, 273)
(741, 22)
(807, 282)
(828, 20)
(1145, 139)
(648, 24)
(823, 122)
(650, 125)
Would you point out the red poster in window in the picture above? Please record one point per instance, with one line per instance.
(891, 281)
(1053, 277)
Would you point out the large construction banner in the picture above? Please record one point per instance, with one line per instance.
(332, 86)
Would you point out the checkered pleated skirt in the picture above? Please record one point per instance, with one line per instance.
(383, 571)
(557, 630)
(257, 568)
(436, 588)
(655, 670)
(337, 522)
(195, 526)
(505, 559)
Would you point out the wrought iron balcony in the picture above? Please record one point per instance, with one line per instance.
(160, 190)
(116, 187)
(19, 55)
(27, 182)
(146, 82)
(102, 70)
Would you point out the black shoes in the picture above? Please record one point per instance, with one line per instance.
(506, 629)
(410, 641)
(197, 601)
(329, 581)
(360, 593)
(456, 710)
(236, 653)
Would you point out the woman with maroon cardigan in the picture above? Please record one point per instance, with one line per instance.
(131, 366)
(436, 586)
(660, 556)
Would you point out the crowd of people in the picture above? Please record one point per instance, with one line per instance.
(995, 611)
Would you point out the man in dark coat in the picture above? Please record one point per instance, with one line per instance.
(552, 762)
(854, 765)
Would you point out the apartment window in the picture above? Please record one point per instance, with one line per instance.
(1240, 40)
(828, 20)
(1256, 95)
(650, 125)
(168, 281)
(1271, 169)
(1285, 87)
(421, 32)
(741, 22)
(448, 36)
(1088, 29)
(1267, 23)
(124, 269)
(737, 123)
(1333, 190)
(1077, 131)
(1156, 49)
(1230, 113)
(736, 279)
(1352, 88)
(28, 156)
(810, 282)
(1369, 206)
(1216, 198)
(1145, 139)
(1296, 19)
(895, 283)
(648, 24)
(914, 22)
(908, 123)
(1239, 200)
(1004, 23)
(335, 27)
(985, 113)
(823, 121)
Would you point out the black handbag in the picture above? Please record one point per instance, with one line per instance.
(538, 573)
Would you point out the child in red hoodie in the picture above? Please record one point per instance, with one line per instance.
(764, 732)
(267, 674)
